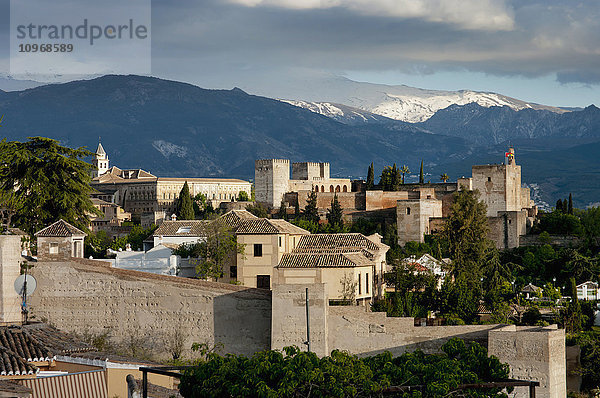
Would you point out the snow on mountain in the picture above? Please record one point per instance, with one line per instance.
(399, 102)
(341, 113)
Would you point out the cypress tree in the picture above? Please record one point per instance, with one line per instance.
(334, 215)
(396, 178)
(565, 206)
(282, 214)
(311, 211)
(559, 205)
(570, 206)
(186, 208)
(370, 177)
(421, 176)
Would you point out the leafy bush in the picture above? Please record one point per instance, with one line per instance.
(294, 373)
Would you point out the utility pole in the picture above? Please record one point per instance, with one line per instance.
(307, 342)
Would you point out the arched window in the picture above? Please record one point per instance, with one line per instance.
(331, 188)
(316, 188)
(345, 188)
(322, 188)
(337, 189)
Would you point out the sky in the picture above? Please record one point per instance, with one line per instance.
(544, 51)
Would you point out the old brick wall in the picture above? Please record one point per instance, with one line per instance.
(86, 296)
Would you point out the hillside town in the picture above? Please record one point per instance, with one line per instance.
(138, 272)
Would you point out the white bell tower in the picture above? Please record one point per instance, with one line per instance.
(100, 162)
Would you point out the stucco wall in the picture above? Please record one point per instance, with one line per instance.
(10, 259)
(86, 296)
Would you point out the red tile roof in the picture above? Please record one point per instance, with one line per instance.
(60, 228)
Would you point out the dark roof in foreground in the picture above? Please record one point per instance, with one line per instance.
(57, 341)
(12, 364)
(60, 228)
(15, 339)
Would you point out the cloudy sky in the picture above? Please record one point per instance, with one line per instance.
(545, 51)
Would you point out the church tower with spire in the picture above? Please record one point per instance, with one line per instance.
(100, 162)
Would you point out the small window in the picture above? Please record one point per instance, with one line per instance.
(233, 271)
(53, 248)
(263, 281)
(367, 283)
(184, 230)
(489, 179)
(408, 210)
(359, 285)
(257, 250)
(280, 241)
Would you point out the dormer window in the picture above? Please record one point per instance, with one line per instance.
(184, 230)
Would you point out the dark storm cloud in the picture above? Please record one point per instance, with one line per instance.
(532, 39)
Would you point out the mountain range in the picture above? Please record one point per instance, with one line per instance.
(177, 129)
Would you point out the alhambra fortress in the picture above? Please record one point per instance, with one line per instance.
(420, 209)
(261, 300)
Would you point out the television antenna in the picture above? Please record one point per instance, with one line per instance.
(25, 286)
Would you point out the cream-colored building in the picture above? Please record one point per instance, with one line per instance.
(272, 180)
(139, 191)
(344, 262)
(266, 242)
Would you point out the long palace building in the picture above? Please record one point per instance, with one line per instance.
(138, 192)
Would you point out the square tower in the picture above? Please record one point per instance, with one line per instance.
(271, 181)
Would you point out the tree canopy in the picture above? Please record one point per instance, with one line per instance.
(296, 373)
(43, 182)
(311, 211)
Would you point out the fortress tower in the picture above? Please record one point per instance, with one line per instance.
(100, 162)
(500, 185)
(271, 180)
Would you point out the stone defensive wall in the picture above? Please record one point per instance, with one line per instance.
(88, 296)
(533, 353)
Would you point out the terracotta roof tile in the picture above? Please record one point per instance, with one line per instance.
(12, 364)
(340, 243)
(266, 226)
(182, 228)
(323, 260)
(23, 344)
(60, 228)
(57, 341)
(234, 218)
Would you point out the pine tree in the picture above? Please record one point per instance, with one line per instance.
(334, 215)
(282, 214)
(370, 177)
(186, 207)
(311, 211)
(421, 175)
(570, 206)
(559, 205)
(45, 182)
